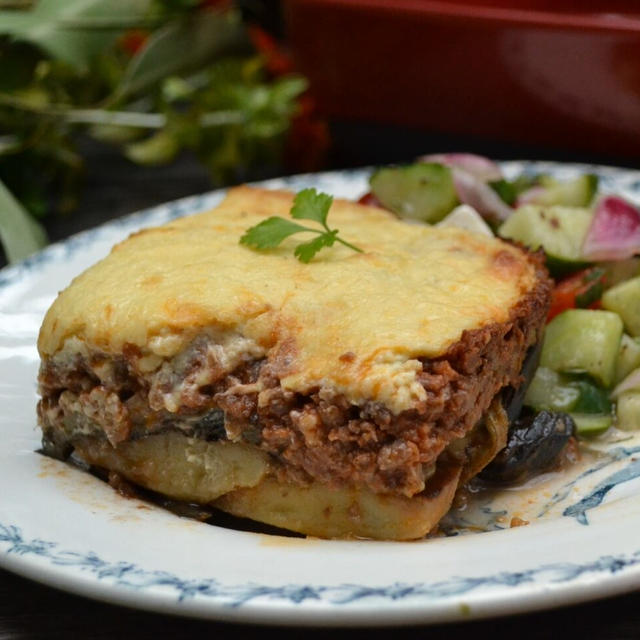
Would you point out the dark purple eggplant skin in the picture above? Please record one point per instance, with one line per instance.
(210, 427)
(513, 398)
(55, 446)
(535, 444)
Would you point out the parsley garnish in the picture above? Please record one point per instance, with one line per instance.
(307, 205)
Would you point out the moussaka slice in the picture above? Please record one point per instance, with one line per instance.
(350, 396)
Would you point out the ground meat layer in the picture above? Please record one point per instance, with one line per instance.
(320, 436)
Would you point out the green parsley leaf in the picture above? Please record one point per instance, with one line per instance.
(311, 205)
(270, 233)
(307, 205)
(307, 250)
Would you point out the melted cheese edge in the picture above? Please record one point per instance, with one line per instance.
(353, 322)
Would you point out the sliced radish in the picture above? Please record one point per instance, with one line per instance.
(478, 166)
(614, 233)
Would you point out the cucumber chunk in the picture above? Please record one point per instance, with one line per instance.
(548, 390)
(628, 357)
(592, 399)
(578, 192)
(624, 299)
(562, 393)
(591, 424)
(509, 190)
(423, 191)
(560, 231)
(583, 341)
(628, 411)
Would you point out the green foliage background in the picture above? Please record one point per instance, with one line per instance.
(152, 77)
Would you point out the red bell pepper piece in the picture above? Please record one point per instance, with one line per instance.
(581, 290)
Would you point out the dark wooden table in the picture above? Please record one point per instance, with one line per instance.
(29, 610)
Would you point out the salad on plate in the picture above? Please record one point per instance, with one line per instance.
(588, 369)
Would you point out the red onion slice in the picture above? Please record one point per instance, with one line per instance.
(530, 196)
(478, 166)
(479, 195)
(631, 382)
(614, 233)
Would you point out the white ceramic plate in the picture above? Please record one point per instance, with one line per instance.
(67, 529)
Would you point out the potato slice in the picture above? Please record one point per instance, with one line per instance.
(321, 511)
(180, 467)
(234, 477)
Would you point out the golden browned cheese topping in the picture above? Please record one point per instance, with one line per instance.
(352, 322)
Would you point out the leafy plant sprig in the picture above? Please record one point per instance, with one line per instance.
(152, 78)
(307, 205)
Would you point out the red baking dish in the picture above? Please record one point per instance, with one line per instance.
(557, 73)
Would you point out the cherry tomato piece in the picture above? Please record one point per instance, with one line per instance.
(370, 200)
(581, 290)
